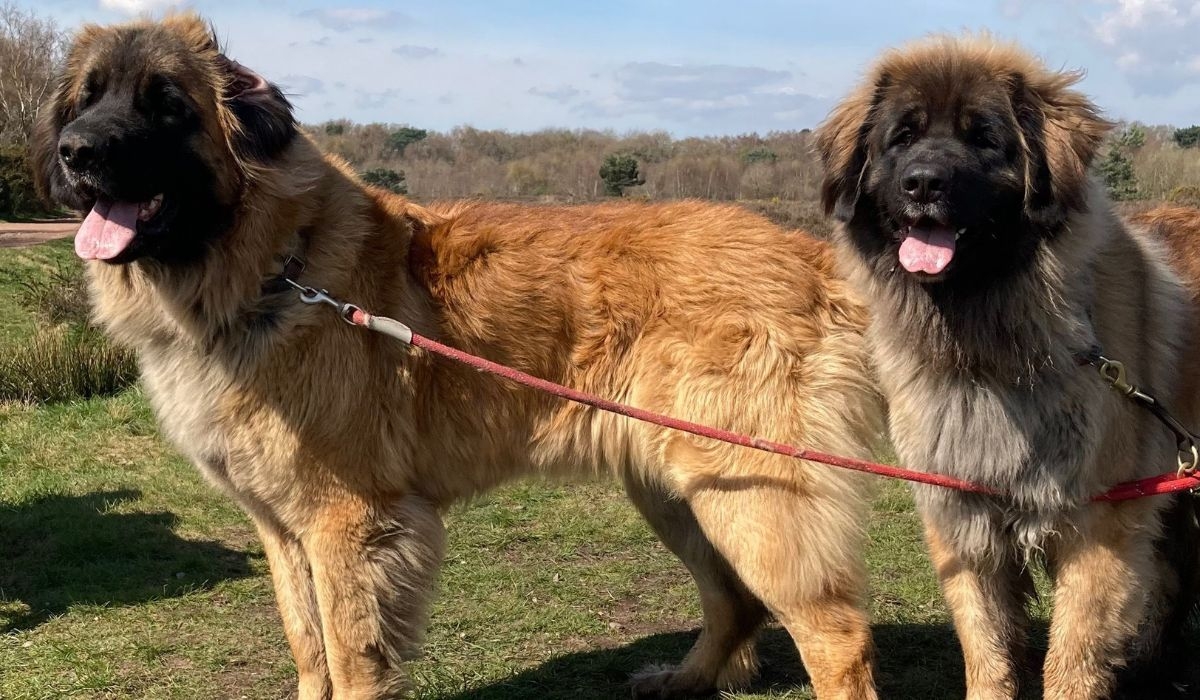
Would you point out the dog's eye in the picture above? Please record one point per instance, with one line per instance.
(90, 92)
(163, 99)
(902, 138)
(983, 137)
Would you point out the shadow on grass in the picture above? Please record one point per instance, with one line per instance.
(60, 551)
(915, 661)
(920, 662)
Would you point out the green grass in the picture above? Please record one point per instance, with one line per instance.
(17, 267)
(51, 353)
(124, 575)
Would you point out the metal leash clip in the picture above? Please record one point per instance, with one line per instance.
(1113, 373)
(312, 295)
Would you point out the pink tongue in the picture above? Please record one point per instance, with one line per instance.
(107, 231)
(927, 250)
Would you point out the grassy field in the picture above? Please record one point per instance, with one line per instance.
(123, 575)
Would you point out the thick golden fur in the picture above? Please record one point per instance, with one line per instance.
(985, 384)
(345, 447)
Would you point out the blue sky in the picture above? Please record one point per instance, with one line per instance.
(690, 68)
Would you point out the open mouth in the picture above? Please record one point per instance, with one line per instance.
(928, 246)
(111, 227)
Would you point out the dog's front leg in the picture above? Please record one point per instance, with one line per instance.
(986, 600)
(375, 566)
(297, 600)
(1102, 572)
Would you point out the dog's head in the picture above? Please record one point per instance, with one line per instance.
(955, 158)
(156, 133)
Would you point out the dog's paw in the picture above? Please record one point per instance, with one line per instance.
(663, 682)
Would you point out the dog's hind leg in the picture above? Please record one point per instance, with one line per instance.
(794, 538)
(724, 656)
(297, 600)
(375, 567)
(800, 554)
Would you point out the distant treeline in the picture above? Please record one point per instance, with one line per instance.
(565, 164)
(1141, 162)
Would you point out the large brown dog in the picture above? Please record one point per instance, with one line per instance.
(958, 172)
(345, 447)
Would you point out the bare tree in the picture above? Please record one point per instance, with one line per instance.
(31, 49)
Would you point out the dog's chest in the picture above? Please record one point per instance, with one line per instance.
(186, 392)
(1038, 442)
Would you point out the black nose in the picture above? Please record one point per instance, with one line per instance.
(925, 182)
(78, 151)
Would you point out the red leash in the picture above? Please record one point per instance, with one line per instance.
(420, 341)
(1153, 486)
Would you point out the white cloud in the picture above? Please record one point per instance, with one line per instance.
(301, 85)
(320, 42)
(346, 18)
(1152, 41)
(376, 99)
(562, 93)
(648, 82)
(138, 7)
(738, 98)
(416, 52)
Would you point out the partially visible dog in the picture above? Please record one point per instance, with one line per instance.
(345, 447)
(991, 262)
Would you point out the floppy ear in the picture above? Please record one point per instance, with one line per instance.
(1061, 131)
(53, 114)
(265, 124)
(842, 146)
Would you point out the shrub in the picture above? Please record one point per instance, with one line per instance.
(762, 154)
(1132, 137)
(399, 139)
(386, 178)
(1117, 170)
(1188, 137)
(65, 364)
(619, 172)
(18, 198)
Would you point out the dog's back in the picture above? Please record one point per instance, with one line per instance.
(1178, 229)
(640, 301)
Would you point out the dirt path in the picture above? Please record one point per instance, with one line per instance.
(22, 235)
